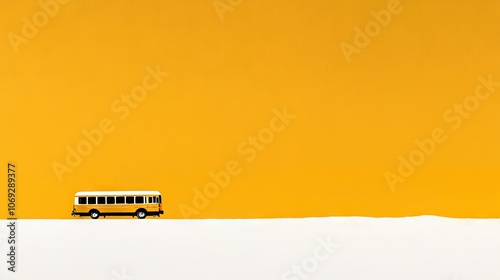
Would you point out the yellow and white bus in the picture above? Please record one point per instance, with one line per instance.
(117, 203)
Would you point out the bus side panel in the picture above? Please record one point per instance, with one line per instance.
(83, 208)
(152, 207)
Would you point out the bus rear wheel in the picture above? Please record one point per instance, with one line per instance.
(141, 214)
(94, 214)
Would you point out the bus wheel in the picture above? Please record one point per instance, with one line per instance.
(94, 214)
(141, 214)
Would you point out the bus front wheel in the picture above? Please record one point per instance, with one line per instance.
(141, 214)
(94, 214)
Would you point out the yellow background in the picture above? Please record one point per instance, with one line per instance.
(353, 120)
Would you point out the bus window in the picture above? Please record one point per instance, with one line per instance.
(120, 200)
(91, 200)
(129, 199)
(101, 200)
(110, 200)
(139, 199)
(150, 199)
(160, 199)
(82, 200)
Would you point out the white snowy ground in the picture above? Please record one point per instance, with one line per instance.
(424, 248)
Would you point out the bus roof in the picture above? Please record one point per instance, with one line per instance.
(96, 193)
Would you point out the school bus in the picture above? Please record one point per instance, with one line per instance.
(138, 204)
